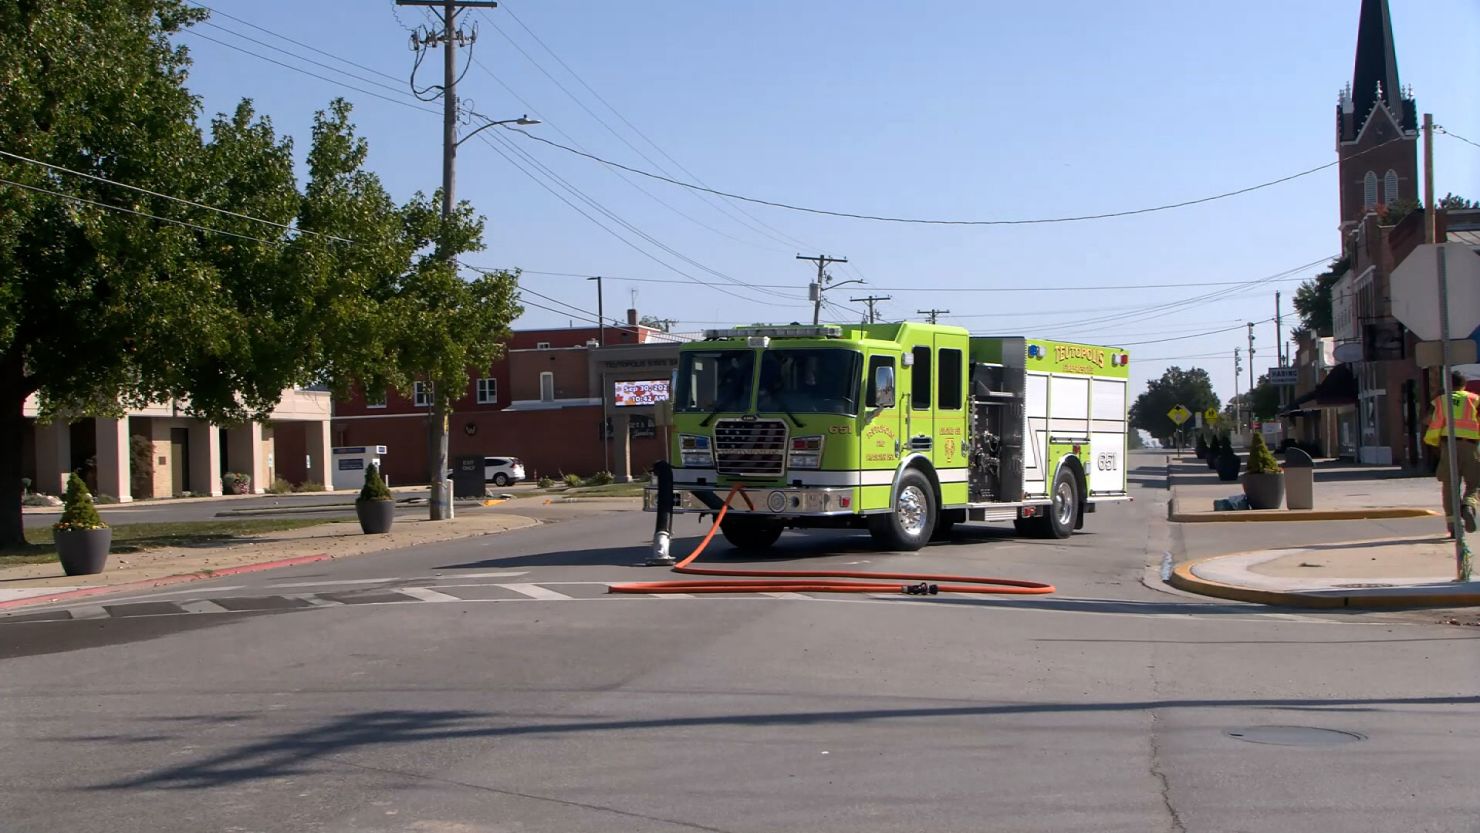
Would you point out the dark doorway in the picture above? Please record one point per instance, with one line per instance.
(180, 460)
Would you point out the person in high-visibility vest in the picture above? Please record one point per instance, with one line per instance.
(1464, 410)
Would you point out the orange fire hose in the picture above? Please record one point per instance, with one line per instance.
(808, 581)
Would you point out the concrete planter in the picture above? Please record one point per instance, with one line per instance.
(1265, 491)
(376, 516)
(83, 552)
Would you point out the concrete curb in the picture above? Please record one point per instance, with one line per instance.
(1176, 515)
(150, 583)
(1183, 578)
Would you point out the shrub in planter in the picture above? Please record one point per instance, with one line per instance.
(82, 539)
(375, 506)
(1227, 462)
(1264, 482)
(236, 483)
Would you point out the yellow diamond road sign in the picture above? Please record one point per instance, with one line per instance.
(1179, 414)
(1211, 416)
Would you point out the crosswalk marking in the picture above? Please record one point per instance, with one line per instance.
(427, 594)
(783, 595)
(672, 595)
(534, 591)
(314, 600)
(200, 606)
(90, 612)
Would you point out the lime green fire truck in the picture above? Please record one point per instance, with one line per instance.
(906, 429)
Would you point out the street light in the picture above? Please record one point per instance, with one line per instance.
(522, 121)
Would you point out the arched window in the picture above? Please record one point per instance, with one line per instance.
(1390, 187)
(1369, 190)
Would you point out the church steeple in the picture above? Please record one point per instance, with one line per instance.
(1375, 73)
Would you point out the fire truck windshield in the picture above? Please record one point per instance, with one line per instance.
(714, 380)
(809, 381)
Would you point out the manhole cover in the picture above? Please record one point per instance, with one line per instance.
(1362, 586)
(1294, 735)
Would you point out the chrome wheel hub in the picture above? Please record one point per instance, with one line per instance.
(1063, 503)
(911, 510)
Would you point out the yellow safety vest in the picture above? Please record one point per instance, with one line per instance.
(1464, 409)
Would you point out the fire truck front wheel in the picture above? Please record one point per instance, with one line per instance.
(750, 534)
(912, 522)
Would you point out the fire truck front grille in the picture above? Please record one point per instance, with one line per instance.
(750, 448)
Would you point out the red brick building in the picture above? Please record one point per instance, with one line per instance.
(547, 401)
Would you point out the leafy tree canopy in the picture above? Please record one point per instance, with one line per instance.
(1191, 388)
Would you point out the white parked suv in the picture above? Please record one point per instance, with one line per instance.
(501, 471)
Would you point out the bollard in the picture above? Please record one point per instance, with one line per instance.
(664, 532)
(1300, 479)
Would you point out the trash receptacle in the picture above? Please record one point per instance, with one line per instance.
(1300, 479)
(467, 477)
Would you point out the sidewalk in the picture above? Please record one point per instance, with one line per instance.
(1382, 573)
(401, 493)
(1416, 569)
(1342, 492)
(29, 584)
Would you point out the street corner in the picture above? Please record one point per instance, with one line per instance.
(1391, 573)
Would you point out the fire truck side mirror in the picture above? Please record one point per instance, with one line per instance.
(883, 392)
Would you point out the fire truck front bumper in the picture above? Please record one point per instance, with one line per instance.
(759, 500)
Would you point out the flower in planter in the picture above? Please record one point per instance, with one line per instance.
(80, 513)
(374, 488)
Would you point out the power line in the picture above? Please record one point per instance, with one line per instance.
(946, 222)
(1106, 287)
(185, 223)
(485, 138)
(297, 42)
(788, 240)
(180, 200)
(1455, 135)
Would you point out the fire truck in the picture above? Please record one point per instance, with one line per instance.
(905, 429)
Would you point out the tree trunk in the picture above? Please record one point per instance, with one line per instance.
(12, 431)
(439, 499)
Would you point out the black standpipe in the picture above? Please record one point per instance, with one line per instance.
(664, 532)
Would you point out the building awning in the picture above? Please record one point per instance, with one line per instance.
(1337, 389)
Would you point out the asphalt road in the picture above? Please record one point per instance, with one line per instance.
(491, 685)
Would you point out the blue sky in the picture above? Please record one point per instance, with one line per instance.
(978, 110)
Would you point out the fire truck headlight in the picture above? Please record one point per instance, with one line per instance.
(694, 451)
(806, 453)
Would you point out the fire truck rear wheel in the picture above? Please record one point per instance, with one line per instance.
(750, 534)
(912, 522)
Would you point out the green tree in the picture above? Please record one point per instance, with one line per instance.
(102, 309)
(1455, 202)
(1191, 388)
(1313, 298)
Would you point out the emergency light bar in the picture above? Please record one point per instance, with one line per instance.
(763, 331)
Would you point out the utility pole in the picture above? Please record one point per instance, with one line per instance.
(1462, 564)
(1251, 357)
(823, 278)
(439, 501)
(1278, 340)
(932, 314)
(871, 300)
(600, 314)
(1238, 408)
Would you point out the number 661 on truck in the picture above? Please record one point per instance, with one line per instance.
(905, 429)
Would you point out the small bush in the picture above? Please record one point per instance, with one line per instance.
(38, 499)
(236, 483)
(279, 487)
(1261, 461)
(600, 478)
(574, 480)
(104, 500)
(309, 486)
(25, 485)
(80, 512)
(546, 482)
(375, 488)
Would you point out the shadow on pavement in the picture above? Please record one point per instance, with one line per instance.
(316, 749)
